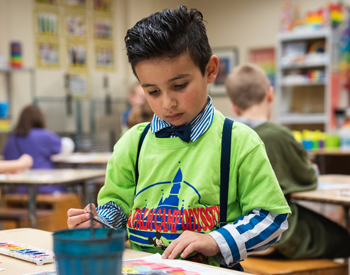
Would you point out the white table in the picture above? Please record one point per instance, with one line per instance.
(43, 239)
(32, 178)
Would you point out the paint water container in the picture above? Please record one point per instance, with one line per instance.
(16, 55)
(79, 254)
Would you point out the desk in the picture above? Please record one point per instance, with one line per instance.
(336, 160)
(81, 159)
(43, 239)
(329, 195)
(84, 178)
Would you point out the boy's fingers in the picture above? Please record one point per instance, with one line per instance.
(179, 248)
(87, 224)
(170, 248)
(74, 212)
(188, 250)
(75, 220)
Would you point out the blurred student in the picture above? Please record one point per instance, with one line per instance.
(136, 97)
(140, 113)
(30, 137)
(309, 235)
(12, 166)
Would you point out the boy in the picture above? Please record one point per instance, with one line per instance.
(177, 197)
(309, 235)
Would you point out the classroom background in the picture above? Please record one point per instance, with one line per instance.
(68, 58)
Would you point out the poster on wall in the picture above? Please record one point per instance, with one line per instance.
(47, 53)
(46, 23)
(46, 2)
(77, 55)
(102, 28)
(76, 26)
(265, 58)
(78, 84)
(102, 5)
(228, 58)
(104, 57)
(76, 3)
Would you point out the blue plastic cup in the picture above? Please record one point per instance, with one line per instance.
(77, 253)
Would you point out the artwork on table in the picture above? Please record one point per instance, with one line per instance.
(102, 5)
(103, 28)
(76, 3)
(76, 25)
(104, 56)
(47, 53)
(228, 58)
(77, 55)
(265, 58)
(47, 23)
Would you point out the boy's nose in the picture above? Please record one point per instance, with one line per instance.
(169, 102)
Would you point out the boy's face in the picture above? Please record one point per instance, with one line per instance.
(175, 88)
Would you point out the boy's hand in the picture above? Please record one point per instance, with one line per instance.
(189, 242)
(80, 218)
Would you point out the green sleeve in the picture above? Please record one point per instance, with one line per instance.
(257, 184)
(119, 184)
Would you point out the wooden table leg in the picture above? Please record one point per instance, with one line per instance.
(31, 205)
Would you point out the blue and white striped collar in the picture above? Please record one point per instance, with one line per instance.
(199, 124)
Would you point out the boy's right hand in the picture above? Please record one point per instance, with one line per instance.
(80, 218)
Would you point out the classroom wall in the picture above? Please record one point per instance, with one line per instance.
(243, 24)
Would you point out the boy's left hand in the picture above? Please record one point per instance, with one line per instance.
(189, 242)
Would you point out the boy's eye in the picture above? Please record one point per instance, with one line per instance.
(153, 92)
(181, 86)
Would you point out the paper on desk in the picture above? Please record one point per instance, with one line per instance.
(186, 266)
(2, 269)
(327, 186)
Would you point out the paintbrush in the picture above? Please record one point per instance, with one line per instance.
(103, 223)
(92, 223)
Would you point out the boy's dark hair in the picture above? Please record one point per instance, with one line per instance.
(31, 117)
(168, 34)
(247, 85)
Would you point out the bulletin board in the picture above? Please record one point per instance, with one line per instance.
(74, 35)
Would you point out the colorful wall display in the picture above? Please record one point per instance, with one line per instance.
(103, 28)
(104, 56)
(47, 53)
(76, 3)
(102, 5)
(74, 27)
(47, 23)
(265, 58)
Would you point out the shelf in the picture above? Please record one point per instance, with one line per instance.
(295, 118)
(306, 35)
(303, 84)
(302, 66)
(7, 70)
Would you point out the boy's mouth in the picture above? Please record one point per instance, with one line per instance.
(174, 117)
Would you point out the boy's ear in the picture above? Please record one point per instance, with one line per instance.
(212, 68)
(270, 95)
(236, 109)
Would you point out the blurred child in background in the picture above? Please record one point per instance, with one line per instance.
(140, 113)
(136, 97)
(309, 235)
(30, 137)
